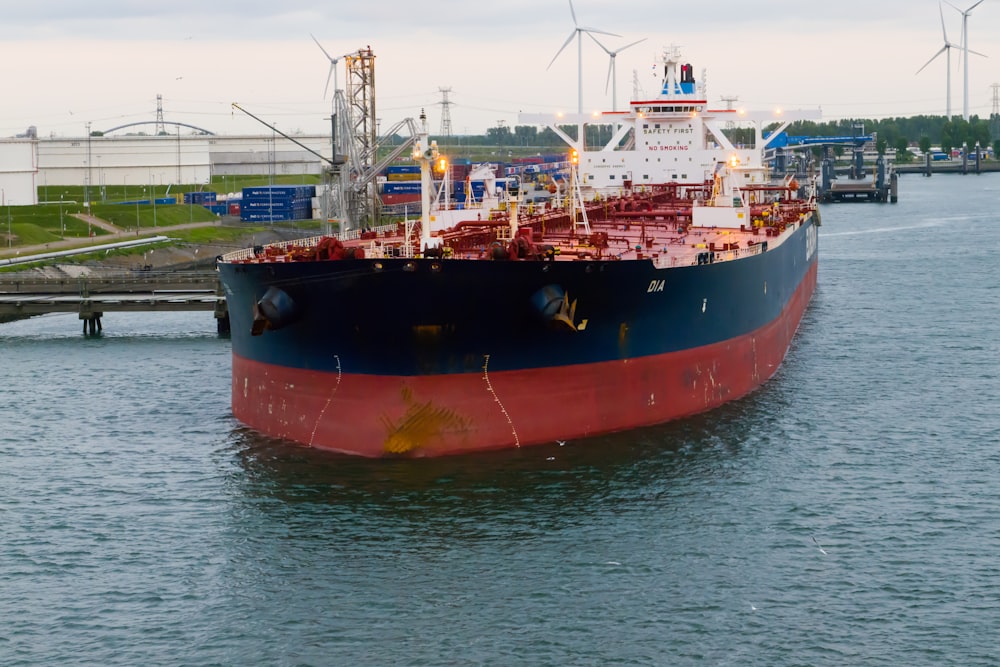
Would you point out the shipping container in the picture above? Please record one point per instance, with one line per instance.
(402, 177)
(199, 197)
(405, 187)
(394, 199)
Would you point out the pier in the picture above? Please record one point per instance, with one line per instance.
(91, 297)
(964, 166)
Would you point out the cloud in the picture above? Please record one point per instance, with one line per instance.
(109, 60)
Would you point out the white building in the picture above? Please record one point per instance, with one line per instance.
(18, 159)
(28, 166)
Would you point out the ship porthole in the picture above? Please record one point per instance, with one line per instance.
(435, 268)
(410, 266)
(377, 266)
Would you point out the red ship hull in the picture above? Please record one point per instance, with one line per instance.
(432, 415)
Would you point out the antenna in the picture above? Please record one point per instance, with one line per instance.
(578, 31)
(445, 112)
(730, 106)
(612, 72)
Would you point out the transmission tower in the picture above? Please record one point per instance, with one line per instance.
(995, 115)
(160, 129)
(445, 112)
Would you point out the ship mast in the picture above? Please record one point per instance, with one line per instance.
(425, 152)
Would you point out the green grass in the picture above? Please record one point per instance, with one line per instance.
(31, 225)
(226, 234)
(147, 216)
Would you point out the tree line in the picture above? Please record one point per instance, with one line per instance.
(900, 134)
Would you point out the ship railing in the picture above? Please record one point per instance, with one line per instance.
(376, 250)
(239, 255)
(250, 253)
(708, 256)
(355, 234)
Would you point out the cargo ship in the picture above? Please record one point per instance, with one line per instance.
(667, 277)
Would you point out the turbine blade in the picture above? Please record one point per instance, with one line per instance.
(599, 32)
(978, 53)
(973, 7)
(572, 11)
(329, 75)
(943, 31)
(599, 44)
(321, 47)
(622, 48)
(565, 44)
(943, 49)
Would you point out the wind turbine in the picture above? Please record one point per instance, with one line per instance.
(333, 67)
(578, 31)
(334, 143)
(965, 48)
(946, 49)
(612, 73)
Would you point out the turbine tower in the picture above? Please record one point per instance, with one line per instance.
(946, 49)
(578, 31)
(612, 71)
(965, 48)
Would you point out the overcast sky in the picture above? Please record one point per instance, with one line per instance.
(67, 63)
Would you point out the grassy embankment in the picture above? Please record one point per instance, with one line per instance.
(54, 224)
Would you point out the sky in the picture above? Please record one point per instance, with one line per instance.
(65, 64)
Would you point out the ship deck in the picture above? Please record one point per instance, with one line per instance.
(652, 225)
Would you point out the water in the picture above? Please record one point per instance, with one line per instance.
(845, 514)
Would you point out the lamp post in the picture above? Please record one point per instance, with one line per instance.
(62, 223)
(3, 200)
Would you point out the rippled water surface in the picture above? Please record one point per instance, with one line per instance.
(845, 514)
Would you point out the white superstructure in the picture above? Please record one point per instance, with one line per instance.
(676, 137)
